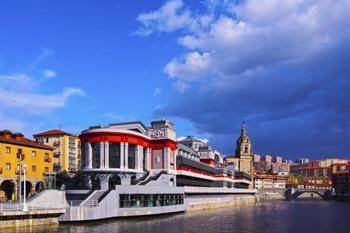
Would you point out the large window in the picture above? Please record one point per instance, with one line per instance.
(96, 155)
(157, 159)
(114, 155)
(149, 200)
(131, 156)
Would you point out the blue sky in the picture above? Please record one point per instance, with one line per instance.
(206, 65)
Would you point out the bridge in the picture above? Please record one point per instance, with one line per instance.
(294, 193)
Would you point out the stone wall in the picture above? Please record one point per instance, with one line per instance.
(203, 202)
(15, 219)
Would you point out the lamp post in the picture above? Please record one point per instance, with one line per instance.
(25, 208)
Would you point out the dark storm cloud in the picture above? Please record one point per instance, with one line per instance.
(283, 67)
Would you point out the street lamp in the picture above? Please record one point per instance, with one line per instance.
(25, 207)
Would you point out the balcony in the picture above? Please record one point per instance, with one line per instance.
(56, 143)
(56, 154)
(20, 156)
(47, 159)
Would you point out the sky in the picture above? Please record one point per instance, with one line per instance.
(282, 67)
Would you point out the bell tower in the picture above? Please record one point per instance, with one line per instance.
(244, 151)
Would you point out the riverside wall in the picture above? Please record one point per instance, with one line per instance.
(15, 219)
(205, 202)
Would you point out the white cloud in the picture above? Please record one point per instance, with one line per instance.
(157, 91)
(193, 67)
(168, 18)
(49, 73)
(17, 81)
(229, 38)
(11, 124)
(37, 103)
(19, 91)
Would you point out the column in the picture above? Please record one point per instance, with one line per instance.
(88, 155)
(102, 154)
(122, 156)
(166, 158)
(126, 148)
(148, 159)
(106, 154)
(139, 158)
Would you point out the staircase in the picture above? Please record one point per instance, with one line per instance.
(152, 178)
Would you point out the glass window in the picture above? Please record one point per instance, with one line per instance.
(157, 159)
(8, 166)
(96, 155)
(131, 156)
(114, 155)
(33, 153)
(8, 150)
(33, 168)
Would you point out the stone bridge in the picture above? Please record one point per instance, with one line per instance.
(294, 193)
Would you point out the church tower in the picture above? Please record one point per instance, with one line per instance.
(244, 152)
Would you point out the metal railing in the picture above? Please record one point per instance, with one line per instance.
(16, 207)
(89, 203)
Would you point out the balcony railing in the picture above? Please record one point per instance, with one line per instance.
(56, 154)
(47, 159)
(56, 143)
(20, 156)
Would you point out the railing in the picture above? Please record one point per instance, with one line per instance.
(90, 203)
(20, 156)
(56, 143)
(56, 154)
(16, 207)
(47, 159)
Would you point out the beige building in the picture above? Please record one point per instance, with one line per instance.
(66, 154)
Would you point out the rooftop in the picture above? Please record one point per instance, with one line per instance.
(53, 132)
(7, 136)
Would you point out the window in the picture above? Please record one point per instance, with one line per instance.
(33, 153)
(8, 150)
(19, 151)
(149, 200)
(114, 154)
(157, 159)
(96, 155)
(47, 140)
(46, 169)
(131, 156)
(46, 155)
(8, 166)
(33, 168)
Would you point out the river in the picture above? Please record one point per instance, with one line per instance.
(265, 217)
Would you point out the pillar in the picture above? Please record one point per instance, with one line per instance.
(166, 158)
(122, 156)
(139, 158)
(148, 159)
(102, 154)
(126, 149)
(88, 155)
(106, 144)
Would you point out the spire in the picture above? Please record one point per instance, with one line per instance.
(243, 130)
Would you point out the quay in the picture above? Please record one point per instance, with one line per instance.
(11, 215)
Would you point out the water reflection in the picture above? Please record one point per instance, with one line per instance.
(279, 217)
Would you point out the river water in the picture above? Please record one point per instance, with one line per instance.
(266, 217)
